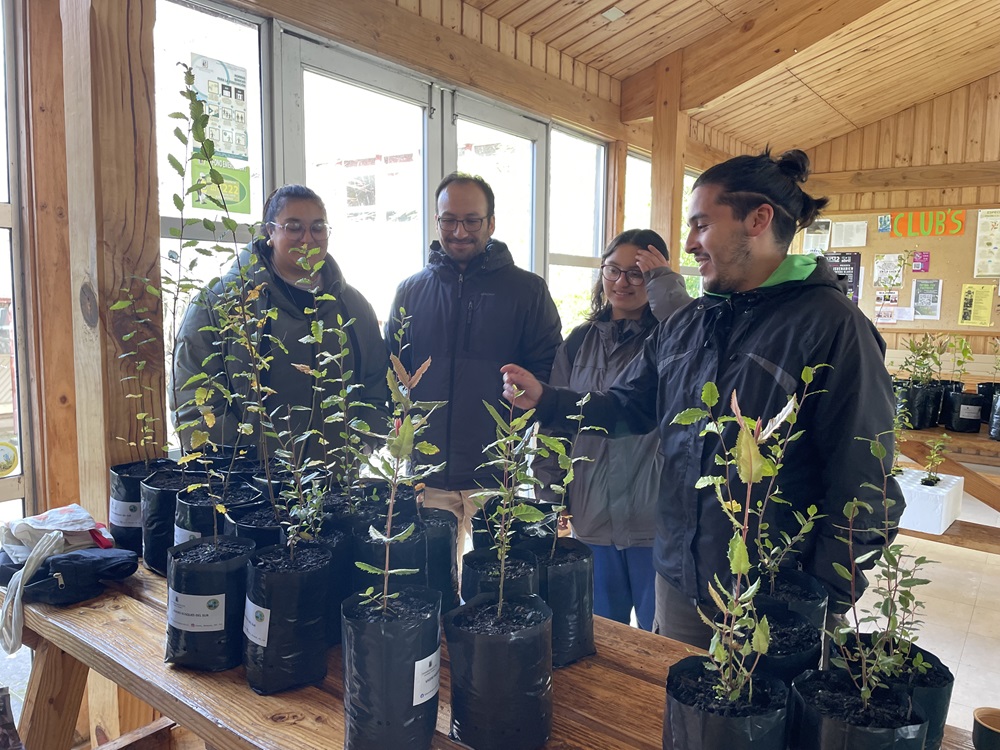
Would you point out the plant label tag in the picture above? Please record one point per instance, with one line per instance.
(256, 623)
(125, 514)
(196, 614)
(184, 535)
(426, 678)
(967, 411)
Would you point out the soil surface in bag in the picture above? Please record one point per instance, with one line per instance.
(490, 569)
(791, 637)
(786, 590)
(207, 552)
(262, 517)
(483, 620)
(402, 607)
(278, 561)
(697, 689)
(236, 494)
(174, 480)
(833, 695)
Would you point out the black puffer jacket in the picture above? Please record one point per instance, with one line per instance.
(471, 324)
(757, 344)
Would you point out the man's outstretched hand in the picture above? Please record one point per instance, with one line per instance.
(520, 387)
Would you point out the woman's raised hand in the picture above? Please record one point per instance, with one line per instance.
(520, 387)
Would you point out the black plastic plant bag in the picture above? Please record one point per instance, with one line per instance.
(786, 667)
(568, 588)
(812, 606)
(441, 529)
(338, 579)
(501, 685)
(964, 413)
(205, 608)
(987, 391)
(391, 677)
(125, 505)
(199, 519)
(474, 583)
(808, 729)
(264, 536)
(158, 507)
(689, 728)
(409, 554)
(285, 624)
(482, 536)
(924, 405)
(995, 418)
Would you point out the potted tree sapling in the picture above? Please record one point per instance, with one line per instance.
(989, 389)
(960, 411)
(933, 500)
(922, 395)
(500, 643)
(717, 700)
(391, 634)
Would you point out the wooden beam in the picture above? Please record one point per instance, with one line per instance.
(964, 534)
(55, 689)
(395, 34)
(638, 93)
(771, 36)
(669, 141)
(974, 174)
(154, 736)
(45, 248)
(614, 195)
(975, 483)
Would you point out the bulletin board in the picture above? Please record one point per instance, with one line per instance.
(950, 238)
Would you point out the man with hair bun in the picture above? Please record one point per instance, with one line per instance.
(765, 315)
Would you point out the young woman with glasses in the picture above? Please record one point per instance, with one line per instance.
(611, 501)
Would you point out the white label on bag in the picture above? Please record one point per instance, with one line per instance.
(967, 411)
(256, 623)
(125, 514)
(426, 678)
(184, 535)
(196, 614)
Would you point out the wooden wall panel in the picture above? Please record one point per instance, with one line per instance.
(960, 127)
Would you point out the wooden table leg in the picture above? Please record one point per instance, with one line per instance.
(52, 703)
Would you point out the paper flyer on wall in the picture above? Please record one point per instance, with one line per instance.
(847, 265)
(849, 234)
(926, 299)
(977, 305)
(886, 302)
(816, 238)
(988, 244)
(921, 261)
(888, 271)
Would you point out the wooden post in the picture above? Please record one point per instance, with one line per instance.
(45, 248)
(669, 142)
(614, 206)
(55, 688)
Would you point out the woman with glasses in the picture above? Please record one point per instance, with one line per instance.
(283, 289)
(611, 500)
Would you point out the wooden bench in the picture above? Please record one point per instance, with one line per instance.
(612, 700)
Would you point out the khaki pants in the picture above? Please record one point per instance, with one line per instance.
(676, 617)
(463, 507)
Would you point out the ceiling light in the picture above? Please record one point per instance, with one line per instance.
(613, 13)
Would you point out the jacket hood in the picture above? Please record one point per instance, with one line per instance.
(495, 257)
(808, 270)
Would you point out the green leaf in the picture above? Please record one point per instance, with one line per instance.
(739, 559)
(198, 439)
(368, 568)
(690, 416)
(843, 572)
(750, 464)
(709, 394)
(404, 534)
(426, 448)
(527, 513)
(121, 304)
(762, 636)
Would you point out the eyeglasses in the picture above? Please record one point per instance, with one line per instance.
(471, 225)
(296, 230)
(613, 273)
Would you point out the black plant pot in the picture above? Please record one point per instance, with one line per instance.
(994, 430)
(809, 729)
(501, 684)
(285, 622)
(391, 671)
(987, 391)
(964, 412)
(923, 404)
(441, 528)
(477, 580)
(205, 605)
(265, 530)
(125, 507)
(409, 554)
(195, 515)
(796, 591)
(482, 538)
(949, 386)
(158, 504)
(340, 545)
(786, 659)
(566, 583)
(688, 727)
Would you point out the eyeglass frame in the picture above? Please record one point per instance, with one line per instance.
(481, 219)
(630, 280)
(295, 237)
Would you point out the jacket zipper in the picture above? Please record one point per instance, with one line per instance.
(468, 327)
(451, 378)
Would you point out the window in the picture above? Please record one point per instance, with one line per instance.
(692, 279)
(638, 192)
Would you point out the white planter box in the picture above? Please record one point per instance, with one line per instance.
(930, 509)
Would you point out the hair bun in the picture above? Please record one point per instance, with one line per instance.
(794, 164)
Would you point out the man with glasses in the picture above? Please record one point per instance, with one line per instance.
(470, 310)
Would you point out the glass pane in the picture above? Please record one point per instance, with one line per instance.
(638, 192)
(576, 195)
(506, 162)
(686, 258)
(571, 288)
(4, 175)
(370, 173)
(225, 54)
(10, 422)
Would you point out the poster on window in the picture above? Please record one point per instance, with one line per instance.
(927, 299)
(988, 244)
(223, 88)
(888, 271)
(886, 302)
(848, 266)
(976, 308)
(816, 237)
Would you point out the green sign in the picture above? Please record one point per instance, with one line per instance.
(235, 187)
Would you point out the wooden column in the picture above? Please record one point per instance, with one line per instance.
(114, 233)
(669, 142)
(113, 246)
(55, 687)
(614, 206)
(45, 248)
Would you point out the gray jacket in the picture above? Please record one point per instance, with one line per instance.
(199, 349)
(612, 497)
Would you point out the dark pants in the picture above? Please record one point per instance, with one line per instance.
(623, 580)
(676, 617)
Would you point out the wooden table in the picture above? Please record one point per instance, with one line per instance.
(612, 700)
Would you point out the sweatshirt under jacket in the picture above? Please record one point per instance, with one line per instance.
(470, 324)
(288, 323)
(757, 343)
(613, 495)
